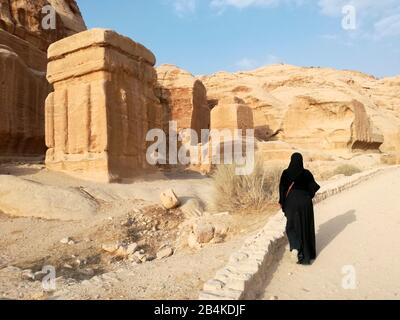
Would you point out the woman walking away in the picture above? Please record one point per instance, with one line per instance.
(297, 189)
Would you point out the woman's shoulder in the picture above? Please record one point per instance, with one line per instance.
(284, 175)
(308, 173)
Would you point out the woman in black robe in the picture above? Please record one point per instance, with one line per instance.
(297, 189)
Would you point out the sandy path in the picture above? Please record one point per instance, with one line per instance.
(357, 231)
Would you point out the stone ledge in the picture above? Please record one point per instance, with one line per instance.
(244, 276)
(99, 37)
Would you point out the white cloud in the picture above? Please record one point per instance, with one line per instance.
(388, 27)
(375, 18)
(364, 7)
(251, 3)
(246, 64)
(183, 7)
(250, 64)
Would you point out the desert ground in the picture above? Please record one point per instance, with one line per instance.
(128, 214)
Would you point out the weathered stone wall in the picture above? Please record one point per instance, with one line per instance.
(102, 106)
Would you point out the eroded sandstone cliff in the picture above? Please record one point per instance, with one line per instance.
(316, 108)
(184, 98)
(23, 18)
(23, 64)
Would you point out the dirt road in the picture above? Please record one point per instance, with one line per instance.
(358, 246)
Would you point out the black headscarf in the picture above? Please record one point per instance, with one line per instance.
(296, 166)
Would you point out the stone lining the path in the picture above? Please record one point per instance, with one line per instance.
(243, 278)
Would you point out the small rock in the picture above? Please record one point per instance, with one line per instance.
(165, 253)
(125, 251)
(192, 241)
(134, 259)
(86, 283)
(169, 199)
(40, 275)
(131, 249)
(87, 272)
(274, 298)
(65, 240)
(221, 230)
(204, 232)
(28, 275)
(142, 257)
(110, 247)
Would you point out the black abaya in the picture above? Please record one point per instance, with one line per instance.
(299, 211)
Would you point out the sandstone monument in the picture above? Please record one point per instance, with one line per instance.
(102, 106)
(23, 63)
(232, 114)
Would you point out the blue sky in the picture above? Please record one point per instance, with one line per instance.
(206, 36)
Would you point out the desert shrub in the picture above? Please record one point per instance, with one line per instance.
(346, 169)
(252, 192)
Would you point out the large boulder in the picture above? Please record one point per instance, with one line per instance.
(24, 198)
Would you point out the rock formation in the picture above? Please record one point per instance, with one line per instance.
(184, 99)
(102, 106)
(23, 63)
(312, 125)
(315, 107)
(23, 18)
(22, 95)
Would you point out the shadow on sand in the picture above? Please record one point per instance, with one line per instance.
(328, 231)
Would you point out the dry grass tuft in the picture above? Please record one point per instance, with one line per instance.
(347, 170)
(249, 193)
